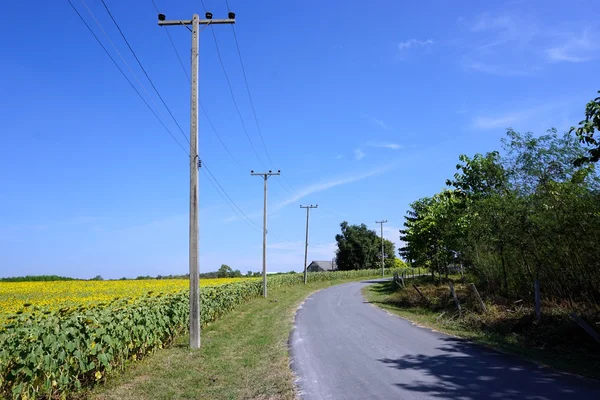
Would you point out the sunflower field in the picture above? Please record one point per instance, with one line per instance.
(59, 337)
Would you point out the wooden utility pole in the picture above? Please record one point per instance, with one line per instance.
(306, 242)
(265, 176)
(195, 22)
(382, 254)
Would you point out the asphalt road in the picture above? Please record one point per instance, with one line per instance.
(344, 348)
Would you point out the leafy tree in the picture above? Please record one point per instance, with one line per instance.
(360, 248)
(586, 130)
(526, 213)
(225, 271)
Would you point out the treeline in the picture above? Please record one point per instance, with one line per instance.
(529, 213)
(37, 278)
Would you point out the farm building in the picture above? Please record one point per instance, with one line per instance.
(321, 266)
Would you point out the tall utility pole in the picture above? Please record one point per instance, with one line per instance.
(195, 22)
(265, 176)
(306, 242)
(382, 253)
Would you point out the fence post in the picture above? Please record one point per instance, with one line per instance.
(421, 294)
(538, 307)
(590, 331)
(481, 305)
(455, 298)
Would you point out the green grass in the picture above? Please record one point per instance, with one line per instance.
(244, 355)
(555, 342)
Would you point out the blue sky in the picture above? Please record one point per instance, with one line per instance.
(364, 107)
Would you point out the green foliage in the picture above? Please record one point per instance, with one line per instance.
(528, 214)
(586, 130)
(360, 248)
(225, 271)
(54, 354)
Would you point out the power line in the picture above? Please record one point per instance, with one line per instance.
(200, 103)
(127, 78)
(174, 48)
(245, 217)
(230, 199)
(239, 52)
(231, 92)
(233, 99)
(144, 70)
(212, 180)
(119, 54)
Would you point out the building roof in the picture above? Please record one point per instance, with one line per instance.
(324, 265)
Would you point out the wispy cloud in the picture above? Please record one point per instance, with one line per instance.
(376, 121)
(392, 146)
(319, 187)
(381, 124)
(511, 44)
(407, 44)
(501, 70)
(510, 118)
(339, 157)
(502, 121)
(575, 49)
(359, 154)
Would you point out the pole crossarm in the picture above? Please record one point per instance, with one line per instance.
(265, 175)
(200, 22)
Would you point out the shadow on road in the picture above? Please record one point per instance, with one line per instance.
(380, 280)
(466, 371)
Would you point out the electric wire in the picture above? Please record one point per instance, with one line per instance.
(127, 78)
(144, 70)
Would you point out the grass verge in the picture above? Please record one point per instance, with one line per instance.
(244, 355)
(555, 342)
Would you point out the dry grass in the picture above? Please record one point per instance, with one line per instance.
(508, 326)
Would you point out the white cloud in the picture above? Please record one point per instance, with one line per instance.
(507, 119)
(501, 70)
(381, 124)
(516, 45)
(575, 49)
(359, 154)
(319, 187)
(339, 157)
(503, 121)
(407, 44)
(376, 121)
(392, 146)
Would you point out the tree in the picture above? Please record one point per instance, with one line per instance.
(585, 132)
(235, 274)
(225, 271)
(360, 248)
(528, 214)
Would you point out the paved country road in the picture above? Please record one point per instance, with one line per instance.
(344, 348)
